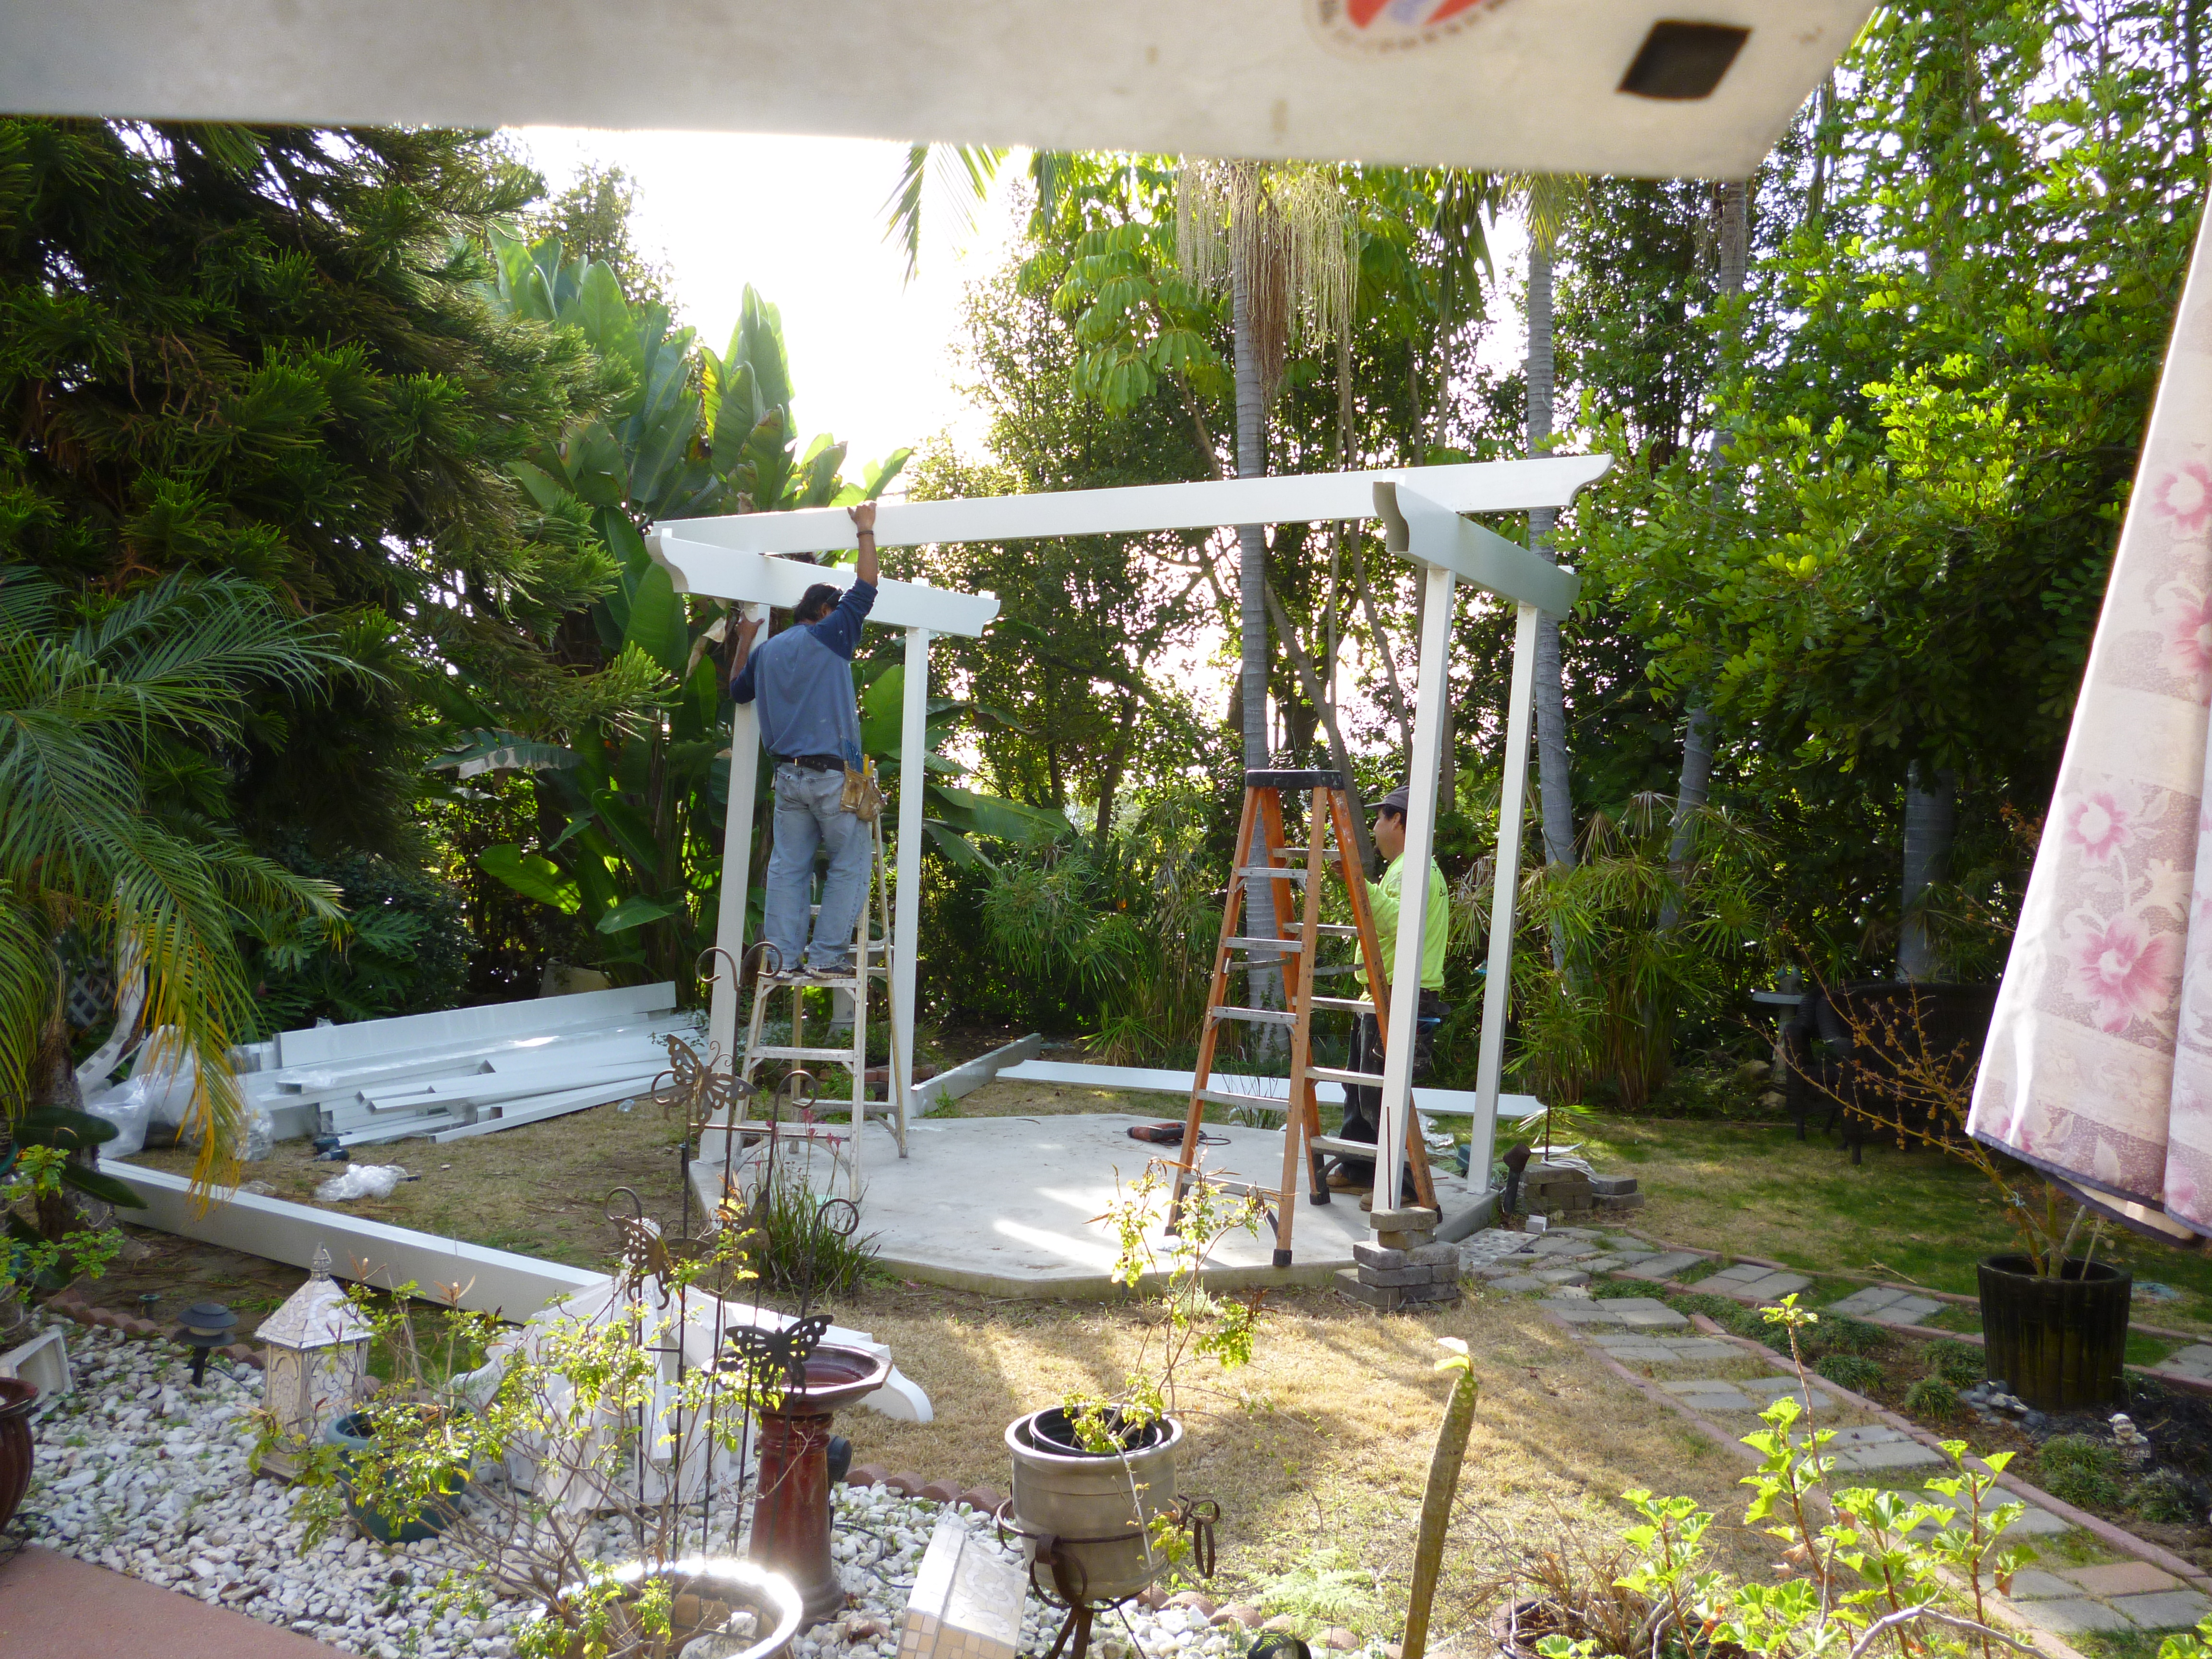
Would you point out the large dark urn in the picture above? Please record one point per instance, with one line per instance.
(2058, 1343)
(17, 1399)
(791, 1513)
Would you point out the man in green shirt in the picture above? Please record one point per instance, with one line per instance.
(1363, 1105)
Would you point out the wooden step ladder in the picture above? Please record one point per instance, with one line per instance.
(871, 961)
(1262, 855)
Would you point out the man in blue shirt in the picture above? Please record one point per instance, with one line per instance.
(802, 682)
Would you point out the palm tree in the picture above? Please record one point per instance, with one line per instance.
(95, 707)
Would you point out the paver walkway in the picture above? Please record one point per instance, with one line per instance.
(1729, 1383)
(56, 1606)
(2193, 1364)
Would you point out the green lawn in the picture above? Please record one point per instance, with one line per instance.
(1916, 1217)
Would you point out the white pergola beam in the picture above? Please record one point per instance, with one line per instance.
(1292, 498)
(697, 565)
(1476, 555)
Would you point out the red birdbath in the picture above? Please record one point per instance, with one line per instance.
(790, 1514)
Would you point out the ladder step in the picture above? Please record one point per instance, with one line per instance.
(1297, 855)
(1255, 942)
(1338, 930)
(1350, 1079)
(1341, 1146)
(1256, 1016)
(778, 1051)
(1345, 1004)
(1222, 1097)
(1275, 872)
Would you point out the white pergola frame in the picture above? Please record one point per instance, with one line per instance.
(737, 558)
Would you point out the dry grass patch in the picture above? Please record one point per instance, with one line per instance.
(540, 1190)
(1322, 1444)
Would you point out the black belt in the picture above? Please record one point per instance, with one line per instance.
(814, 762)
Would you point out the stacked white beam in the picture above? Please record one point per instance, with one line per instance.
(471, 1071)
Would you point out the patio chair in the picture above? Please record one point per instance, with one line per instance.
(1846, 1044)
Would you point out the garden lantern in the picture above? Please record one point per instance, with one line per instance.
(204, 1327)
(314, 1353)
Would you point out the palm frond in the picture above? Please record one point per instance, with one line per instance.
(977, 165)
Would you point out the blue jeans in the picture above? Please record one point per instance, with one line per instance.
(809, 815)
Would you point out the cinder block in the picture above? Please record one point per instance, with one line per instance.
(1397, 1277)
(1623, 1201)
(1408, 1241)
(1612, 1186)
(1435, 1256)
(1414, 1220)
(1378, 1256)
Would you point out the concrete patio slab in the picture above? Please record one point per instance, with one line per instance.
(1010, 1206)
(56, 1606)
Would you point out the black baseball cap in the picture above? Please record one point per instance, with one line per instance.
(1398, 800)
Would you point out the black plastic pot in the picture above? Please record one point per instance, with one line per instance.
(2059, 1342)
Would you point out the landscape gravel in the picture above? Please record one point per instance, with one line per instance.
(141, 1472)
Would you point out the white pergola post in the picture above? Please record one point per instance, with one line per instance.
(1497, 983)
(1434, 686)
(906, 904)
(737, 869)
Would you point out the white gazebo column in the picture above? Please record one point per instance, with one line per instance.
(736, 868)
(1497, 984)
(1432, 688)
(906, 908)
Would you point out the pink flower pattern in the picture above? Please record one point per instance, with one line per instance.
(2189, 637)
(2121, 967)
(2184, 496)
(2102, 825)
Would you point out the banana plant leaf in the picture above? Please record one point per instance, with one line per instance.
(635, 911)
(532, 877)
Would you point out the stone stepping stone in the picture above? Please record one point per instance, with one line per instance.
(2173, 1610)
(1554, 1247)
(2034, 1584)
(1666, 1350)
(2073, 1618)
(1520, 1282)
(1881, 1305)
(1732, 1395)
(2034, 1522)
(1877, 1447)
(2122, 1579)
(1635, 1313)
(1747, 1283)
(1665, 1266)
(2194, 1361)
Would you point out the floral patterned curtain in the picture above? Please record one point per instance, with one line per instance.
(2098, 1069)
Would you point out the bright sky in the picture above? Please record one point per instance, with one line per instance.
(872, 356)
(801, 220)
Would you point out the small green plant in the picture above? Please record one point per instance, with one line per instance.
(1326, 1588)
(1185, 1318)
(49, 1247)
(1859, 1581)
(2079, 1470)
(2191, 1645)
(790, 1240)
(1934, 1399)
(1956, 1363)
(2163, 1495)
(1850, 1371)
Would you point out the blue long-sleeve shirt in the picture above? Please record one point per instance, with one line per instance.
(802, 680)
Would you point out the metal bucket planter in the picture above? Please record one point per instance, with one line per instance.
(350, 1434)
(2058, 1342)
(1098, 1509)
(706, 1593)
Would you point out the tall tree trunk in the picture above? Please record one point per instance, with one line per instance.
(1695, 784)
(1116, 762)
(1267, 986)
(1931, 815)
(1554, 772)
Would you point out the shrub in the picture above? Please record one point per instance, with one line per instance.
(1933, 1398)
(1840, 1333)
(1850, 1371)
(2164, 1495)
(405, 949)
(2080, 1471)
(1959, 1365)
(1327, 1588)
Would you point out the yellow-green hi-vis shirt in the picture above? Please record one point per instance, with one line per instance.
(1382, 897)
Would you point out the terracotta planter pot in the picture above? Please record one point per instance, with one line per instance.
(2058, 1343)
(17, 1399)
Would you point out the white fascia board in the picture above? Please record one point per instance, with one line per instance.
(1209, 504)
(452, 1028)
(1429, 532)
(1521, 86)
(698, 566)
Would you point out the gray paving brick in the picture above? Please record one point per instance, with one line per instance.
(1518, 1282)
(2072, 1617)
(1653, 1319)
(1863, 1305)
(1663, 1267)
(1580, 1310)
(1903, 1454)
(1640, 1352)
(1742, 1273)
(1563, 1276)
(1907, 1310)
(2174, 1609)
(2034, 1584)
